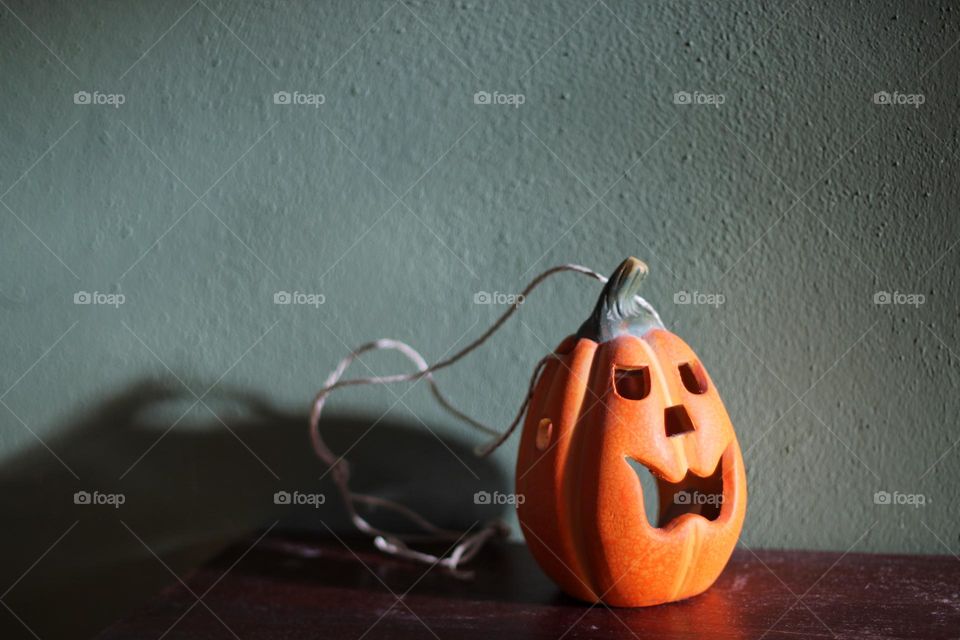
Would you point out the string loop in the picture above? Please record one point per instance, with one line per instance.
(465, 544)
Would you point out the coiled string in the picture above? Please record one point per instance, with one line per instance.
(468, 543)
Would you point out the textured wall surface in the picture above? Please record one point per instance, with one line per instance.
(780, 198)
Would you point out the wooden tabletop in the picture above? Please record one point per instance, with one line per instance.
(293, 587)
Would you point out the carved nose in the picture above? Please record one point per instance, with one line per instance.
(676, 420)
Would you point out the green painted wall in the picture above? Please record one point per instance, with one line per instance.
(399, 198)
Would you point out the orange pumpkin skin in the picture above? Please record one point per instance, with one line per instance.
(583, 511)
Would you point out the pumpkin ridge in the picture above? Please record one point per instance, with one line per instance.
(555, 401)
(569, 533)
(679, 446)
(573, 488)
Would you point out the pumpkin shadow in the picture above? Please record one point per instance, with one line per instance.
(98, 518)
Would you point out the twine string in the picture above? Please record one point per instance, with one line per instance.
(465, 544)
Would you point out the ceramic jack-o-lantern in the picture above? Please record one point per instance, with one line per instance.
(625, 390)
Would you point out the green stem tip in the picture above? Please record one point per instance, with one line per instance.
(620, 309)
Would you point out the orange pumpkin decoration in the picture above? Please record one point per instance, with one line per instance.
(623, 387)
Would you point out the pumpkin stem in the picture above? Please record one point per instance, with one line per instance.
(620, 309)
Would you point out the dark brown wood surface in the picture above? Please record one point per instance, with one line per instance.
(292, 587)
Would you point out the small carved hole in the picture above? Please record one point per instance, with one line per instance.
(632, 384)
(544, 433)
(693, 376)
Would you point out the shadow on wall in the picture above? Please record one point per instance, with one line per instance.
(195, 489)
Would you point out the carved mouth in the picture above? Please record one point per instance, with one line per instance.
(700, 496)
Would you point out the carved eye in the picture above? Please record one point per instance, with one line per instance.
(694, 377)
(632, 384)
